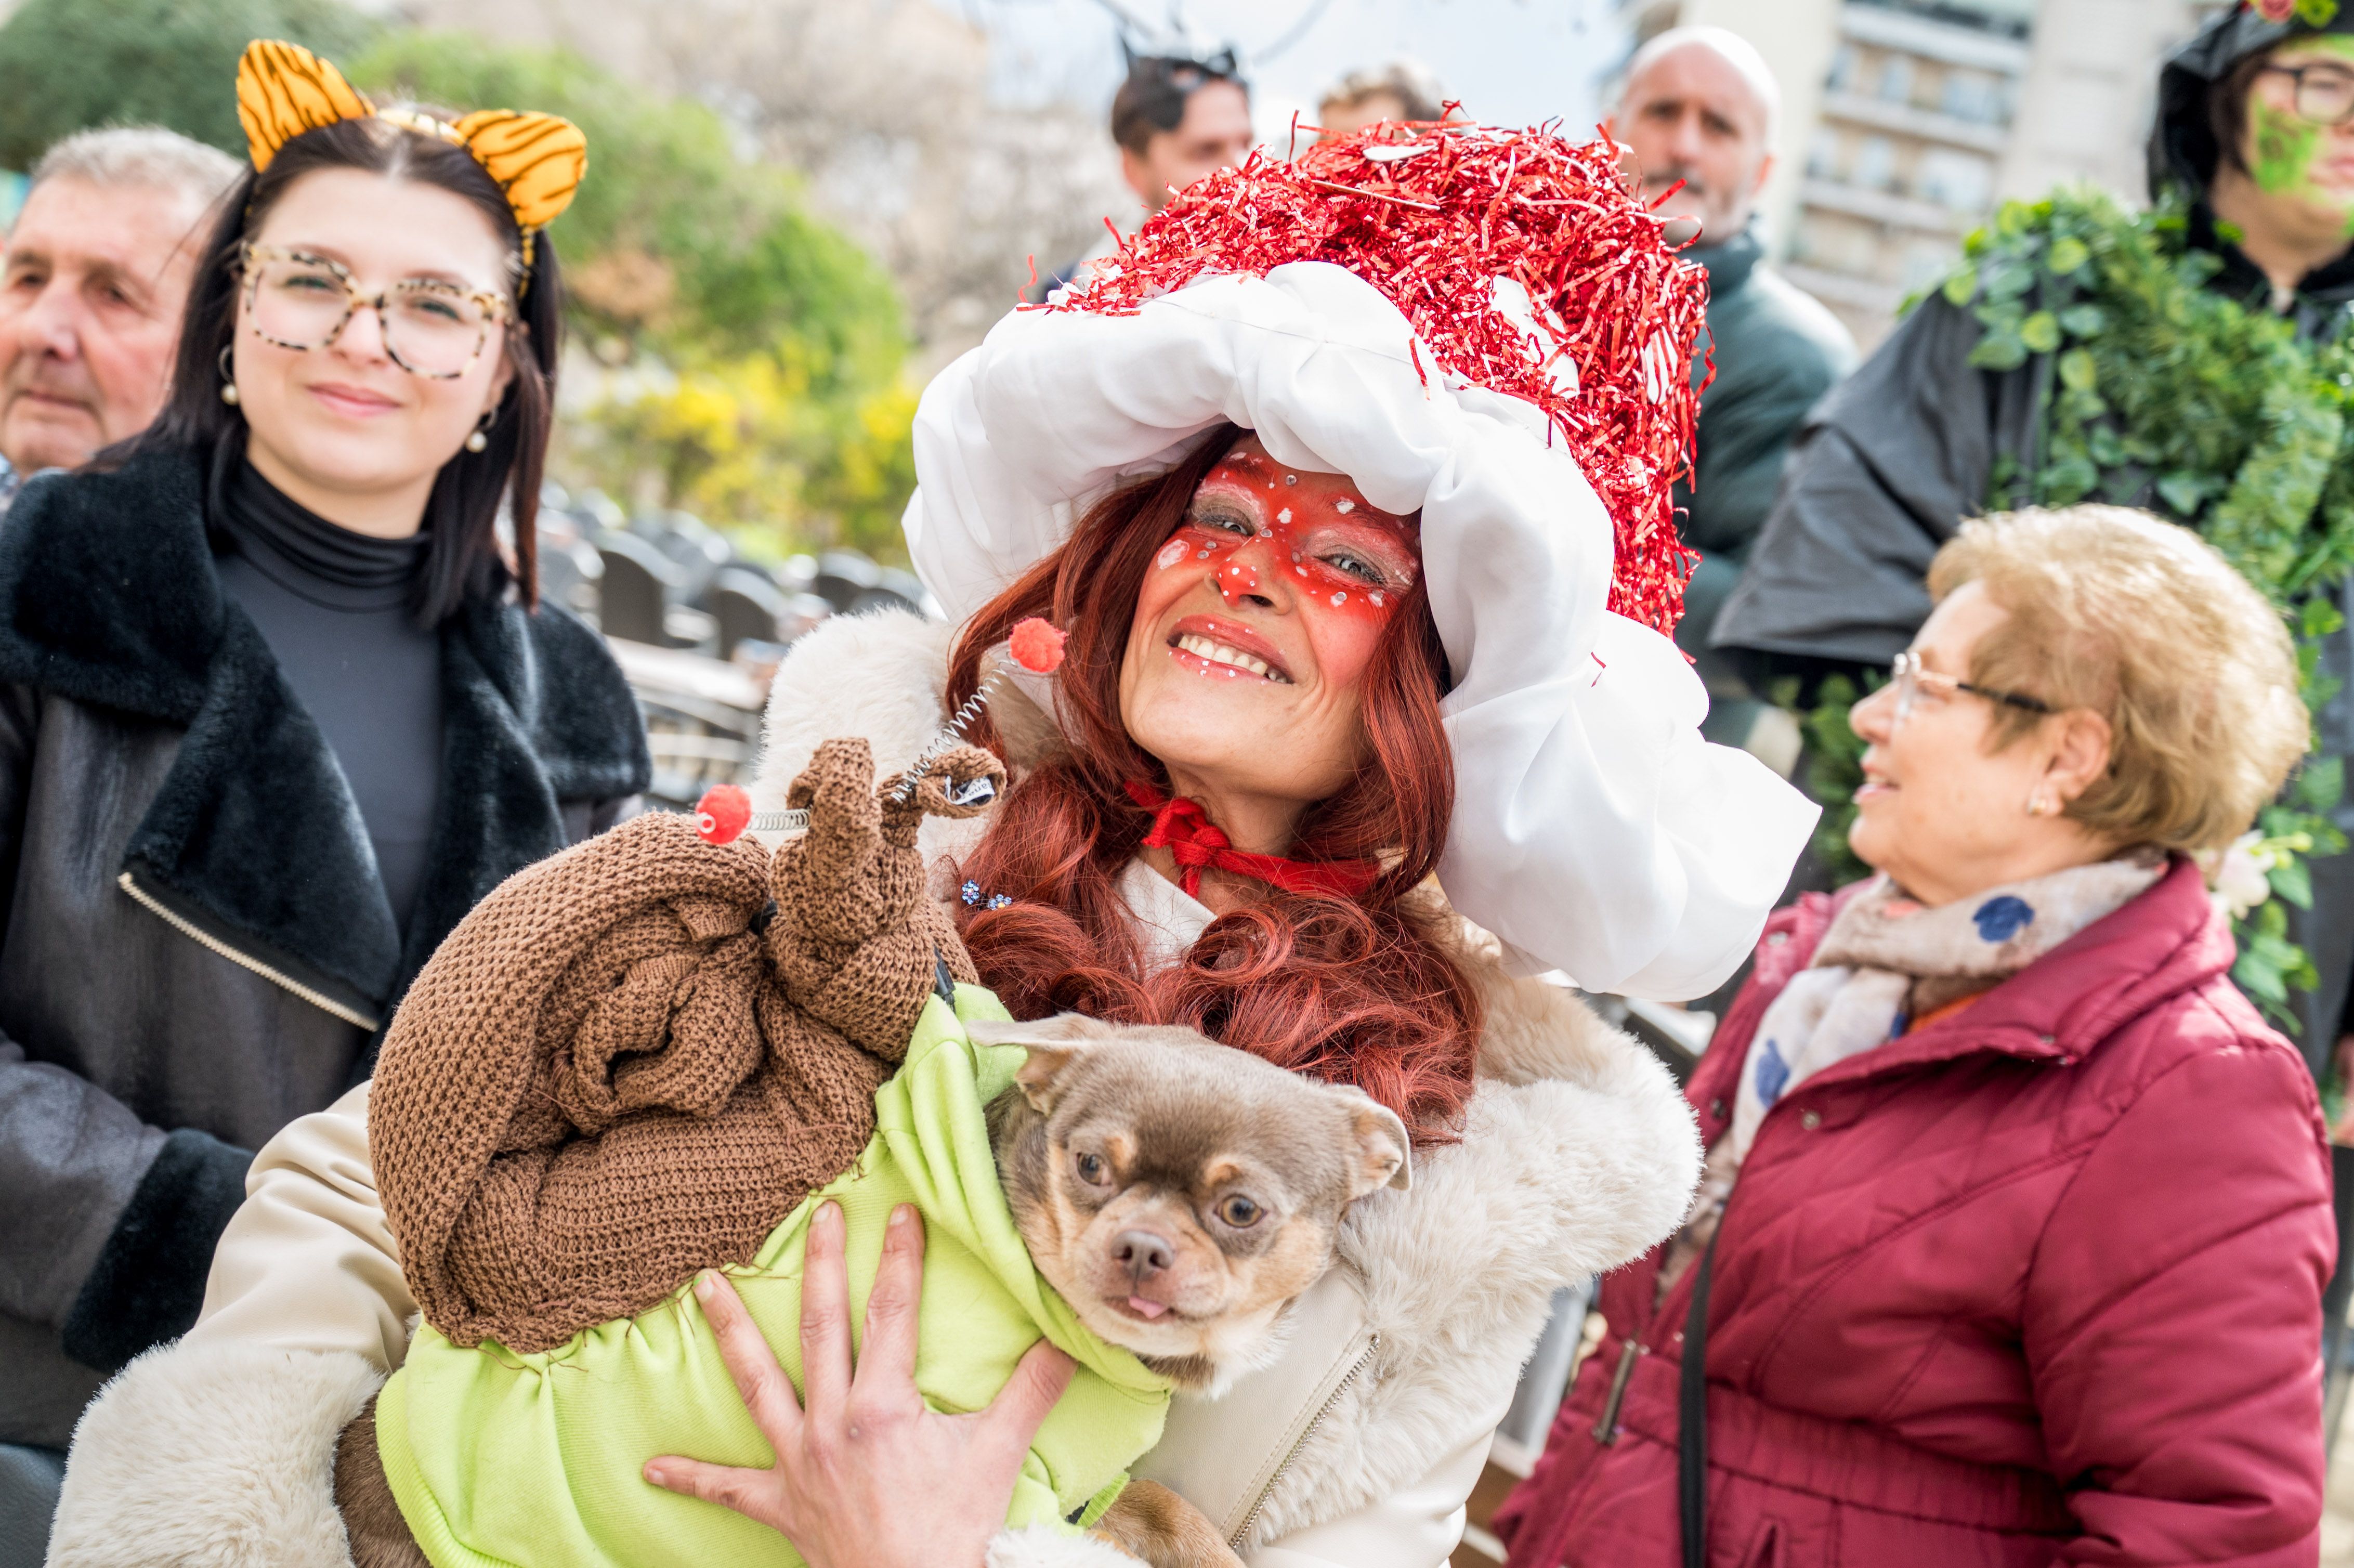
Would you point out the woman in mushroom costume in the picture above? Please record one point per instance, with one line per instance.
(1349, 481)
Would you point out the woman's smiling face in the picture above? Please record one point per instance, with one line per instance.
(344, 420)
(1255, 626)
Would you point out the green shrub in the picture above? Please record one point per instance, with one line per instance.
(66, 64)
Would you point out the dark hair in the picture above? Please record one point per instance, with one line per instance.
(463, 559)
(1153, 98)
(2227, 116)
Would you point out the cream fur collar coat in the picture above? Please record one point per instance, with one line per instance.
(1357, 1446)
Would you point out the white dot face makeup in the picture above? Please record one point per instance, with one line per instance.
(1277, 595)
(1346, 555)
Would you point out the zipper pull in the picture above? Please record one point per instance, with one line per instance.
(1605, 1431)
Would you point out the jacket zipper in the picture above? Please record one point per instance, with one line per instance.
(205, 940)
(1605, 1431)
(1373, 1343)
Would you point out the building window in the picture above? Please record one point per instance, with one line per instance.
(1844, 69)
(1896, 80)
(1875, 164)
(1954, 180)
(1823, 155)
(1974, 96)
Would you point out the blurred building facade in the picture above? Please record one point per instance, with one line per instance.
(1906, 121)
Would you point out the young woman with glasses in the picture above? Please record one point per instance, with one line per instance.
(277, 706)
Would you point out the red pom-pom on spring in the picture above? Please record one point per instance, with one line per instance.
(723, 814)
(1037, 645)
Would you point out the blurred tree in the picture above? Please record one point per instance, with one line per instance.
(743, 442)
(751, 355)
(891, 110)
(676, 242)
(68, 64)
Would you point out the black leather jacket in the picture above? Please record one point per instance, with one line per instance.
(195, 946)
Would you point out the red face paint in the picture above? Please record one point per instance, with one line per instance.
(1340, 552)
(1278, 544)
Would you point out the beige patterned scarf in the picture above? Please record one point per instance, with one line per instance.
(1886, 960)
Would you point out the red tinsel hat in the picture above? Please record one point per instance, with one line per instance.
(1523, 266)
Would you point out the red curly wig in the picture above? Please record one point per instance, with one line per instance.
(1359, 992)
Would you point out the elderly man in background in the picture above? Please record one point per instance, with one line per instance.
(1402, 89)
(92, 282)
(1700, 108)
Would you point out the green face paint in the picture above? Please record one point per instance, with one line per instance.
(2284, 145)
(2289, 156)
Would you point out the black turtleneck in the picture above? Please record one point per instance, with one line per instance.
(333, 605)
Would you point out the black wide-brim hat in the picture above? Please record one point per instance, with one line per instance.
(2182, 147)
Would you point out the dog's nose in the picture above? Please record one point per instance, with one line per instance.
(1143, 1254)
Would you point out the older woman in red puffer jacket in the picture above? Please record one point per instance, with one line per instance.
(2012, 1240)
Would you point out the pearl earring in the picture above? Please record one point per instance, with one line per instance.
(477, 441)
(228, 383)
(2039, 804)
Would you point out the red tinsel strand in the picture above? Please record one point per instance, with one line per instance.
(1434, 225)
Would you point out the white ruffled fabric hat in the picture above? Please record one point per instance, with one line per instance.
(1595, 831)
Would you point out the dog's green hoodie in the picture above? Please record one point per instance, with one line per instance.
(500, 1459)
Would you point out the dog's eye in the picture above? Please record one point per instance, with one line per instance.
(1091, 1170)
(1239, 1212)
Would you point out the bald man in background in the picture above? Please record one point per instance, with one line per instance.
(94, 277)
(1700, 107)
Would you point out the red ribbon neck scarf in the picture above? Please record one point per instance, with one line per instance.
(1182, 828)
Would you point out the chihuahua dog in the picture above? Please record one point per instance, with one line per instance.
(1180, 1194)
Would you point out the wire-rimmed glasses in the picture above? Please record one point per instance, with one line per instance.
(2324, 90)
(1913, 683)
(432, 328)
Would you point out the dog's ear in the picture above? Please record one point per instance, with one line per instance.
(1041, 1077)
(1054, 1043)
(1383, 1154)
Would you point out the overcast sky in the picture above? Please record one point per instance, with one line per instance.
(1513, 62)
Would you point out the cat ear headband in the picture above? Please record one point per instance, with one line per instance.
(284, 90)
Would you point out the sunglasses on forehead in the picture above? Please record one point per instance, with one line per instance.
(1162, 83)
(1189, 69)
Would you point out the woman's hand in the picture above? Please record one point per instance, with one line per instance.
(867, 1477)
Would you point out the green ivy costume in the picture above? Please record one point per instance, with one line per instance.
(2086, 353)
(498, 1458)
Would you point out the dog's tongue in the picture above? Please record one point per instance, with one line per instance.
(1149, 1309)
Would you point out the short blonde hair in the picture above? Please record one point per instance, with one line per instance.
(2146, 624)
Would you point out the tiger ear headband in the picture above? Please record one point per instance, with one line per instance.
(284, 90)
